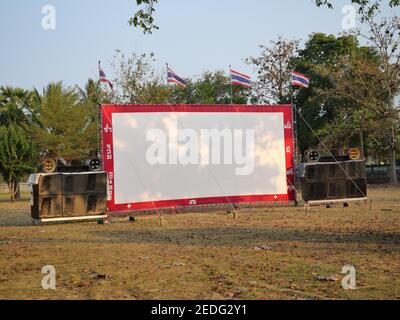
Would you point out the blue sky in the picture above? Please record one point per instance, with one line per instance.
(194, 35)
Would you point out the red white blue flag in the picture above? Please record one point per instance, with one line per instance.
(300, 80)
(103, 78)
(241, 79)
(174, 78)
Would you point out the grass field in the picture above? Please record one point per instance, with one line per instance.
(208, 255)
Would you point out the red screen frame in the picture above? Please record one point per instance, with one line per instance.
(108, 157)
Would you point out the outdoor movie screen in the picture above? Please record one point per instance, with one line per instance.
(166, 156)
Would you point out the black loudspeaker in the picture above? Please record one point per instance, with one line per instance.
(86, 205)
(334, 181)
(357, 188)
(314, 190)
(69, 195)
(84, 183)
(50, 184)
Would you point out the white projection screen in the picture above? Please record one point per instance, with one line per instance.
(168, 156)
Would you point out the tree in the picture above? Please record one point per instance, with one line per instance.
(318, 105)
(18, 156)
(137, 80)
(356, 88)
(384, 37)
(273, 71)
(94, 94)
(209, 88)
(139, 83)
(66, 124)
(14, 106)
(144, 17)
(366, 8)
(15, 110)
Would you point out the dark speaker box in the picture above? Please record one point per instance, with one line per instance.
(314, 191)
(357, 188)
(50, 184)
(356, 169)
(315, 172)
(96, 204)
(69, 195)
(334, 181)
(84, 205)
(336, 171)
(50, 206)
(84, 183)
(337, 189)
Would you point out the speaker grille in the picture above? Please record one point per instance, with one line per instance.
(330, 181)
(357, 188)
(70, 195)
(50, 206)
(50, 184)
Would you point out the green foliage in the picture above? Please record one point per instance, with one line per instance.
(18, 155)
(138, 83)
(210, 88)
(67, 126)
(137, 80)
(366, 8)
(321, 106)
(94, 94)
(143, 18)
(273, 72)
(14, 105)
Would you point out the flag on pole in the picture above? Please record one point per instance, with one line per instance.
(103, 77)
(300, 80)
(241, 79)
(174, 78)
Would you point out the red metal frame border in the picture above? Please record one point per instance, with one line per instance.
(108, 157)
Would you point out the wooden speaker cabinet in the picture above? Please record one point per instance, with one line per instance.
(330, 181)
(68, 196)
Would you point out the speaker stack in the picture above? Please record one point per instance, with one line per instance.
(68, 196)
(330, 181)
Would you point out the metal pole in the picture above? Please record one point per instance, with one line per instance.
(230, 73)
(295, 129)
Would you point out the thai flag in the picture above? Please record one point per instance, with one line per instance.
(103, 77)
(174, 78)
(240, 79)
(300, 80)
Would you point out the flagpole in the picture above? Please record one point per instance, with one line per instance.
(230, 73)
(168, 87)
(167, 74)
(294, 118)
(99, 121)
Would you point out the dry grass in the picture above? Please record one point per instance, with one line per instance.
(208, 255)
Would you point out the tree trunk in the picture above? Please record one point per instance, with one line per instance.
(362, 143)
(11, 190)
(17, 191)
(392, 170)
(13, 187)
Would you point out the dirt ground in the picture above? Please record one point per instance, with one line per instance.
(267, 253)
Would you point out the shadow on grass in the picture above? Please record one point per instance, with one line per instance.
(243, 237)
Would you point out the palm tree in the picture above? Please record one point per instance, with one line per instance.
(66, 126)
(15, 115)
(15, 106)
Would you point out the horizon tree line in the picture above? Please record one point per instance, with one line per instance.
(351, 100)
